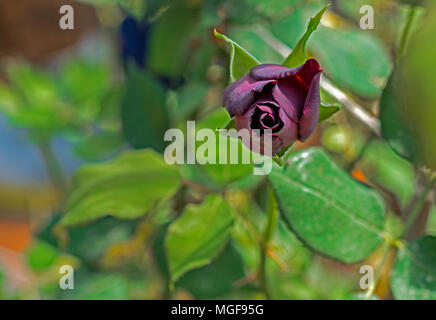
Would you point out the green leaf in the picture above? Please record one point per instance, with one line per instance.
(414, 275)
(229, 172)
(353, 59)
(9, 102)
(298, 56)
(97, 286)
(126, 187)
(33, 101)
(328, 110)
(170, 40)
(188, 99)
(216, 279)
(291, 27)
(198, 236)
(409, 113)
(99, 145)
(249, 39)
(231, 124)
(394, 125)
(84, 82)
(332, 213)
(41, 255)
(103, 234)
(241, 61)
(219, 119)
(223, 174)
(144, 115)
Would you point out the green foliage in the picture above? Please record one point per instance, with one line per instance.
(135, 227)
(170, 39)
(414, 276)
(32, 101)
(102, 233)
(328, 110)
(98, 287)
(226, 270)
(188, 100)
(48, 104)
(352, 58)
(408, 111)
(126, 187)
(326, 208)
(144, 115)
(240, 60)
(394, 124)
(216, 175)
(298, 55)
(99, 145)
(198, 236)
(41, 256)
(249, 39)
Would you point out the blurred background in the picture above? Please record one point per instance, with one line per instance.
(63, 103)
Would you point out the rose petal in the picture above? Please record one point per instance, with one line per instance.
(260, 114)
(269, 121)
(293, 84)
(290, 94)
(265, 108)
(288, 135)
(273, 71)
(239, 95)
(310, 116)
(309, 70)
(243, 121)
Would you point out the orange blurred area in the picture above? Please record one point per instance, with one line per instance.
(14, 234)
(359, 175)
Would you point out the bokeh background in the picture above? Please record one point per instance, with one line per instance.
(62, 104)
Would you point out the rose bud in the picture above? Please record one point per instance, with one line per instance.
(273, 97)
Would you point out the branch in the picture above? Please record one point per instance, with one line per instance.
(353, 107)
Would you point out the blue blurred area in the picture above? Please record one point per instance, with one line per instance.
(135, 44)
(134, 41)
(21, 162)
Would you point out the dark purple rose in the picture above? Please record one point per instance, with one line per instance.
(283, 100)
